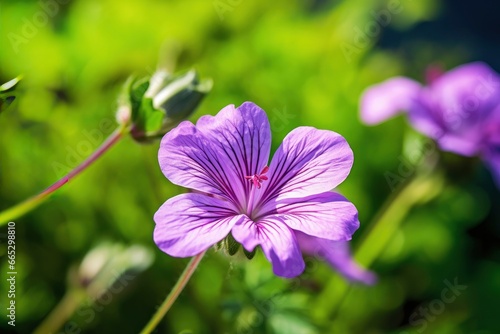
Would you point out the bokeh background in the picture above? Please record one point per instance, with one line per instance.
(305, 63)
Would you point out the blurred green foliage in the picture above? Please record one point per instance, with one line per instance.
(305, 63)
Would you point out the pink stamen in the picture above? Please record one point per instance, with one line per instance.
(257, 179)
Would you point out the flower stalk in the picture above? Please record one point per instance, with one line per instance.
(33, 202)
(105, 269)
(388, 221)
(148, 108)
(62, 312)
(172, 296)
(384, 226)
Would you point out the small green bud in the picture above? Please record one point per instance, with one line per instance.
(158, 104)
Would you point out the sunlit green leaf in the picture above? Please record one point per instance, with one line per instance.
(8, 93)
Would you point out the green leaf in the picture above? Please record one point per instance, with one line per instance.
(9, 86)
(8, 94)
(6, 101)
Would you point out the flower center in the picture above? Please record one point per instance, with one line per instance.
(257, 179)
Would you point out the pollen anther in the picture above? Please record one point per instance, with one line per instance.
(257, 179)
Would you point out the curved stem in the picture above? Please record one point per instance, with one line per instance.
(172, 296)
(389, 219)
(32, 202)
(62, 312)
(382, 229)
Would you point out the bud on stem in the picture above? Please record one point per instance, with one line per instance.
(161, 102)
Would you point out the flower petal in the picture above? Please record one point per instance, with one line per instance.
(337, 254)
(244, 136)
(454, 109)
(385, 100)
(188, 224)
(277, 241)
(464, 145)
(189, 159)
(471, 90)
(327, 215)
(308, 162)
(215, 156)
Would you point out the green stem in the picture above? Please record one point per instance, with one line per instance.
(382, 230)
(172, 296)
(62, 312)
(32, 202)
(389, 219)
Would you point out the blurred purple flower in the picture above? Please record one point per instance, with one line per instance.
(460, 109)
(224, 160)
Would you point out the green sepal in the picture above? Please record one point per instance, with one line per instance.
(220, 245)
(248, 254)
(136, 89)
(160, 102)
(232, 245)
(150, 119)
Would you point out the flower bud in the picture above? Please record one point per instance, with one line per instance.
(160, 103)
(107, 262)
(95, 260)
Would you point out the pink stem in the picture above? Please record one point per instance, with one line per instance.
(108, 143)
(32, 202)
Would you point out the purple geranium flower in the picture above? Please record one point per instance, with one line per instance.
(460, 109)
(224, 160)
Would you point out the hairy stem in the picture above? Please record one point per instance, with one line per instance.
(62, 312)
(32, 202)
(172, 296)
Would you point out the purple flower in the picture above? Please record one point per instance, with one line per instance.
(460, 109)
(224, 160)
